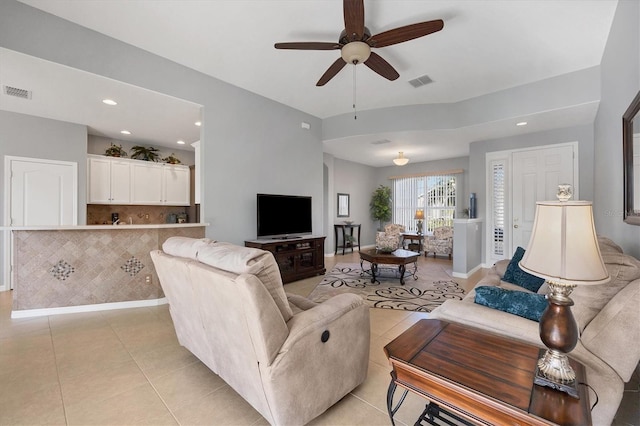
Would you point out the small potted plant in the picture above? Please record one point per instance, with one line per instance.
(145, 153)
(172, 159)
(115, 151)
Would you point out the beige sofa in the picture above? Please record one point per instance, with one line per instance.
(608, 318)
(290, 358)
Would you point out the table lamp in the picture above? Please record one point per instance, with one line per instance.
(563, 250)
(420, 217)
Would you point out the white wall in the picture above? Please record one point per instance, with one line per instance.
(620, 71)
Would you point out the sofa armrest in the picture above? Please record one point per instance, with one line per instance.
(321, 316)
(608, 335)
(492, 320)
(500, 267)
(332, 368)
(302, 303)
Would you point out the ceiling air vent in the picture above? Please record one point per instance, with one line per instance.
(420, 81)
(18, 93)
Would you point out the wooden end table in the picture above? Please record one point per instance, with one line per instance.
(414, 240)
(398, 257)
(479, 378)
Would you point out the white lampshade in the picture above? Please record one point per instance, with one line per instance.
(563, 247)
(401, 160)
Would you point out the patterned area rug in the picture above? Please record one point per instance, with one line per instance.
(422, 294)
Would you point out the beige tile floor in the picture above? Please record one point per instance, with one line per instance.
(125, 367)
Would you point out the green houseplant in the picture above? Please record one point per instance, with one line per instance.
(145, 153)
(115, 151)
(380, 205)
(172, 159)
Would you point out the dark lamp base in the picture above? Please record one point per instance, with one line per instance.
(567, 387)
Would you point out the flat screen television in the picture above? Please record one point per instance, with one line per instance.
(283, 216)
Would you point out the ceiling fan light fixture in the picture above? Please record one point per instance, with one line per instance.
(401, 160)
(355, 52)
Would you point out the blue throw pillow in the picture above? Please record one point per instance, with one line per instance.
(526, 305)
(517, 276)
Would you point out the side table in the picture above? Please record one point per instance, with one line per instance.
(346, 244)
(412, 237)
(479, 377)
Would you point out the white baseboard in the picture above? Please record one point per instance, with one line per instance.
(468, 274)
(28, 313)
(355, 250)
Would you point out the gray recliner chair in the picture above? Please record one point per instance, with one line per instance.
(289, 357)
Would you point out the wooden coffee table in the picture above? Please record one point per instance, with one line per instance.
(478, 378)
(398, 257)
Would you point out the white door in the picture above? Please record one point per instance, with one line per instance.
(37, 193)
(536, 175)
(43, 193)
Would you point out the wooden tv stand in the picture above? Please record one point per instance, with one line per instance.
(297, 258)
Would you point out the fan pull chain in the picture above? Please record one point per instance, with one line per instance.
(355, 111)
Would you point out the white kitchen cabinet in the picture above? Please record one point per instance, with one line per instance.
(124, 181)
(176, 185)
(146, 183)
(109, 181)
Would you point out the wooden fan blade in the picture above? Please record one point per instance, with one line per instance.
(331, 72)
(382, 67)
(354, 19)
(308, 45)
(406, 33)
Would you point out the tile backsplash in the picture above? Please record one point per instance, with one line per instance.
(100, 214)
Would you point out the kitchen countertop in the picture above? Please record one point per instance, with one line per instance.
(101, 227)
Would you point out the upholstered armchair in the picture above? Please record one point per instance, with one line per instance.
(441, 242)
(389, 240)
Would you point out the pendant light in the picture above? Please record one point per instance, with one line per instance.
(401, 160)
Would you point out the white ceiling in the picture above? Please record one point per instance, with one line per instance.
(485, 46)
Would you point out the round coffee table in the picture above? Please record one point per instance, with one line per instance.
(398, 257)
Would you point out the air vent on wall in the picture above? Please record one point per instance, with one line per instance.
(420, 81)
(18, 93)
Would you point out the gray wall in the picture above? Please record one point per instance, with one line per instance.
(478, 150)
(249, 144)
(383, 175)
(358, 181)
(620, 72)
(27, 136)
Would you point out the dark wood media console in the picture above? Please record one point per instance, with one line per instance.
(297, 258)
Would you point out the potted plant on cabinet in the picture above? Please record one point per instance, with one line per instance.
(380, 205)
(172, 159)
(145, 153)
(115, 151)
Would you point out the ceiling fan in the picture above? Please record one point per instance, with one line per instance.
(355, 42)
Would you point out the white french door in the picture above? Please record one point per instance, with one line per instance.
(536, 175)
(516, 180)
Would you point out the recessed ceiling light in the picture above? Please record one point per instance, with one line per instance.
(125, 132)
(180, 142)
(521, 123)
(109, 102)
(198, 123)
